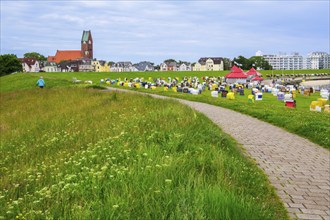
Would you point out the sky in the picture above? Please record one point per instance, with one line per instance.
(158, 30)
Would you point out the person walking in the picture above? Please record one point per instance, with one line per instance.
(41, 82)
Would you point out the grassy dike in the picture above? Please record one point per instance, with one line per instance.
(301, 121)
(75, 153)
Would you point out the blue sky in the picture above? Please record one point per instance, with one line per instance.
(158, 30)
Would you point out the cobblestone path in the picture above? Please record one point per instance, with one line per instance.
(297, 168)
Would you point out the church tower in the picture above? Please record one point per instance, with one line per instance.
(87, 45)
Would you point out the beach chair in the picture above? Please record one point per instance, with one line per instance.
(290, 103)
(215, 94)
(231, 95)
(258, 96)
(280, 96)
(250, 99)
(75, 80)
(314, 106)
(287, 97)
(327, 109)
(224, 93)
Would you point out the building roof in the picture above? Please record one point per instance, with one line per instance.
(171, 64)
(236, 73)
(216, 60)
(142, 66)
(85, 35)
(102, 62)
(47, 63)
(252, 72)
(65, 55)
(124, 64)
(28, 61)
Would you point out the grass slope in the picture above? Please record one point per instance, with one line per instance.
(73, 153)
(314, 126)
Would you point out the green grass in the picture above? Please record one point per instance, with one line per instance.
(73, 153)
(23, 81)
(314, 126)
(301, 121)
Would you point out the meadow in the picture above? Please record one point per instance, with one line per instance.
(301, 121)
(69, 152)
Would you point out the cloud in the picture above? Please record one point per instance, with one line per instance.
(134, 30)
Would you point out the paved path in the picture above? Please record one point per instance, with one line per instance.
(298, 168)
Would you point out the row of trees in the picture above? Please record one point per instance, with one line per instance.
(255, 61)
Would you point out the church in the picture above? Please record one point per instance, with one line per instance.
(85, 52)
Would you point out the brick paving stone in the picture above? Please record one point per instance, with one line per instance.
(325, 217)
(309, 217)
(294, 210)
(294, 165)
(315, 211)
(296, 205)
(316, 207)
(292, 215)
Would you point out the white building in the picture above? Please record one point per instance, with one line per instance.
(50, 67)
(30, 65)
(283, 61)
(318, 60)
(294, 61)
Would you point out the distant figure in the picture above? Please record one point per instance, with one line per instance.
(41, 82)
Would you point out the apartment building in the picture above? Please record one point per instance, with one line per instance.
(294, 61)
(318, 60)
(284, 61)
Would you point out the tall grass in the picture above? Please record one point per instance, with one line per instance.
(311, 125)
(80, 154)
(314, 126)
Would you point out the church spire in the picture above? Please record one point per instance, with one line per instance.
(87, 44)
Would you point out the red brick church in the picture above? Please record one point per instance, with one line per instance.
(85, 52)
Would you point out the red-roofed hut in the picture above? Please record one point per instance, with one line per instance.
(253, 72)
(257, 78)
(236, 75)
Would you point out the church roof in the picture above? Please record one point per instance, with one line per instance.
(65, 55)
(85, 35)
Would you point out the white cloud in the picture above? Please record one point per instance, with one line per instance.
(160, 29)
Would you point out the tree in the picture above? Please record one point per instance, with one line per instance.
(169, 60)
(110, 63)
(9, 63)
(35, 55)
(260, 62)
(226, 64)
(242, 62)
